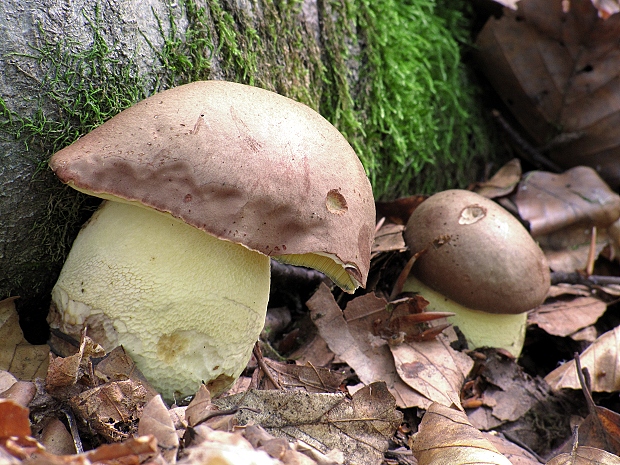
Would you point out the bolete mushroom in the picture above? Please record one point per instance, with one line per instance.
(480, 263)
(203, 183)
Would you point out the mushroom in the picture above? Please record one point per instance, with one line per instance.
(202, 184)
(480, 263)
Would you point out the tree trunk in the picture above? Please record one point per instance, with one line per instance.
(68, 66)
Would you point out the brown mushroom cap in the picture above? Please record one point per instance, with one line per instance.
(478, 254)
(241, 163)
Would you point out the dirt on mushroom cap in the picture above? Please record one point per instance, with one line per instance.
(241, 163)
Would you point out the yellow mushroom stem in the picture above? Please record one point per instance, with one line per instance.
(481, 329)
(186, 306)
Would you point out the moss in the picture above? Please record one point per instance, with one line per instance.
(387, 74)
(414, 119)
(77, 92)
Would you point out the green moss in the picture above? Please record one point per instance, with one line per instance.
(79, 90)
(406, 105)
(413, 120)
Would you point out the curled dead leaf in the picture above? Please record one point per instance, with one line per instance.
(446, 436)
(601, 359)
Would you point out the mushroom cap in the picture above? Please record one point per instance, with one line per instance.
(477, 254)
(242, 163)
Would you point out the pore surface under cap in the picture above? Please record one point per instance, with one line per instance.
(242, 163)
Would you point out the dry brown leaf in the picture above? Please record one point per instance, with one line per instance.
(601, 360)
(446, 436)
(515, 454)
(31, 451)
(368, 355)
(433, 368)
(155, 420)
(501, 183)
(119, 366)
(223, 448)
(112, 409)
(21, 392)
(350, 335)
(281, 449)
(56, 438)
(601, 428)
(557, 70)
(65, 371)
(309, 378)
(563, 318)
(315, 352)
(551, 202)
(389, 238)
(568, 250)
(14, 419)
(22, 359)
(360, 426)
(509, 392)
(200, 408)
(584, 455)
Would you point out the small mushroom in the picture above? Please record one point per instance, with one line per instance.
(480, 263)
(203, 184)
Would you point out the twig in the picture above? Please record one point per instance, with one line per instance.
(532, 152)
(575, 277)
(263, 366)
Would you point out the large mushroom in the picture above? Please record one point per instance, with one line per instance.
(203, 183)
(480, 263)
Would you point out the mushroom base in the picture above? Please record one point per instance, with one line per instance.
(480, 329)
(185, 305)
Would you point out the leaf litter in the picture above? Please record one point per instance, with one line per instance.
(388, 364)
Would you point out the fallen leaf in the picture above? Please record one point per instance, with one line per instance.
(509, 392)
(22, 392)
(56, 439)
(368, 355)
(65, 371)
(551, 202)
(445, 436)
(584, 455)
(557, 70)
(360, 426)
(132, 447)
(289, 453)
(601, 360)
(119, 366)
(308, 377)
(389, 238)
(601, 428)
(223, 448)
(22, 359)
(350, 335)
(501, 183)
(112, 409)
(515, 454)
(433, 368)
(568, 250)
(563, 318)
(200, 407)
(155, 421)
(14, 419)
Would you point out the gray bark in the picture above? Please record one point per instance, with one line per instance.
(32, 247)
(39, 217)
